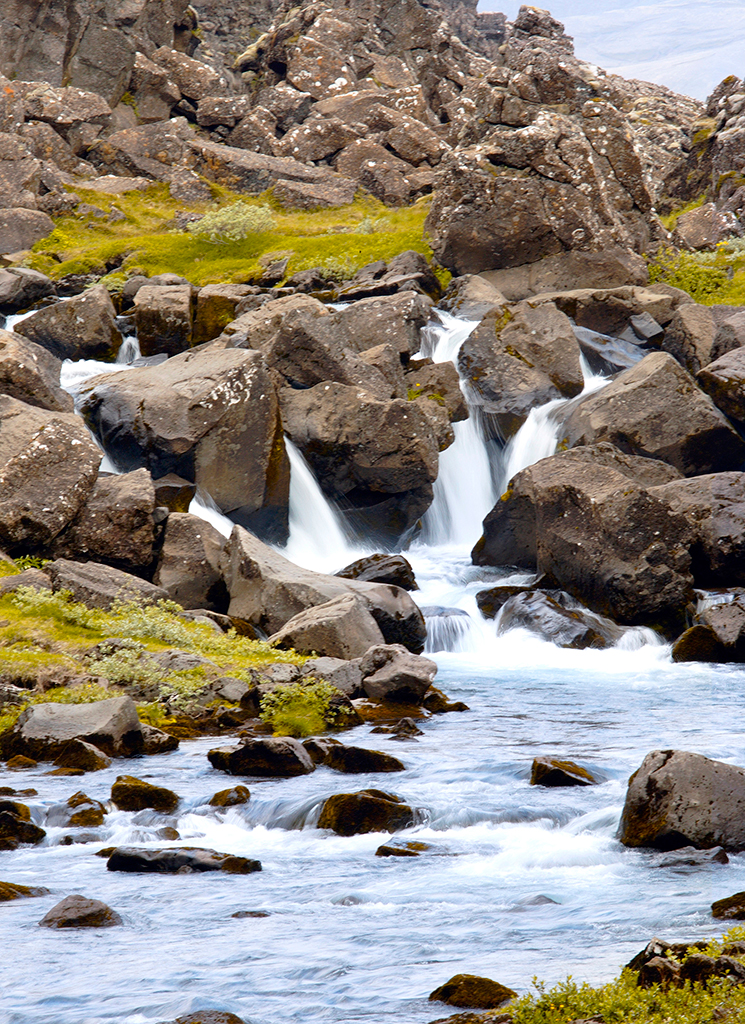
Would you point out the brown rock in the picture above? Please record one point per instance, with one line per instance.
(132, 794)
(79, 754)
(16, 891)
(21, 228)
(370, 810)
(82, 327)
(43, 730)
(731, 908)
(14, 831)
(164, 318)
(551, 771)
(31, 374)
(275, 757)
(470, 990)
(358, 760)
(101, 586)
(340, 628)
(79, 912)
(230, 797)
(189, 563)
(393, 569)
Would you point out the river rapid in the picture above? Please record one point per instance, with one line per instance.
(518, 882)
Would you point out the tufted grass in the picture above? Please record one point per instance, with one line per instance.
(147, 241)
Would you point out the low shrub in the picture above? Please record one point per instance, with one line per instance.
(233, 223)
(301, 709)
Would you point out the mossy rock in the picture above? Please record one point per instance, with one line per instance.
(87, 813)
(14, 891)
(231, 797)
(14, 831)
(132, 794)
(551, 772)
(20, 810)
(77, 754)
(370, 810)
(20, 761)
(731, 908)
(438, 704)
(471, 990)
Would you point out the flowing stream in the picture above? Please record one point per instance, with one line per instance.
(518, 881)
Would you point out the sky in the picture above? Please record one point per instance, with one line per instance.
(687, 46)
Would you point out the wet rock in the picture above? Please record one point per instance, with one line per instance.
(439, 385)
(80, 912)
(370, 810)
(266, 590)
(393, 569)
(517, 358)
(230, 797)
(30, 373)
(185, 860)
(272, 757)
(470, 990)
(164, 318)
(79, 754)
(83, 327)
(559, 619)
(437, 703)
(38, 446)
(132, 794)
(149, 416)
(174, 493)
(341, 628)
(492, 600)
(15, 891)
(731, 908)
(214, 1016)
(391, 673)
(19, 810)
(15, 831)
(655, 409)
(552, 771)
(155, 741)
(189, 563)
(402, 849)
(677, 799)
(100, 586)
(80, 810)
(357, 760)
(319, 746)
(18, 762)
(116, 526)
(43, 730)
(690, 858)
(717, 636)
(404, 729)
(345, 675)
(21, 288)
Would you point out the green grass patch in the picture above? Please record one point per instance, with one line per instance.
(147, 240)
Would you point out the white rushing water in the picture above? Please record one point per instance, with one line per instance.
(519, 881)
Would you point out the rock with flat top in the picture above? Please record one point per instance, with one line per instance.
(370, 810)
(184, 860)
(391, 673)
(43, 730)
(341, 628)
(133, 794)
(101, 586)
(83, 327)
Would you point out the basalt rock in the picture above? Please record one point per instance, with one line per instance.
(43, 730)
(30, 374)
(77, 753)
(340, 628)
(15, 891)
(391, 673)
(724, 382)
(393, 569)
(359, 760)
(164, 318)
(552, 771)
(82, 327)
(100, 586)
(559, 619)
(676, 799)
(79, 811)
(345, 675)
(189, 563)
(469, 990)
(717, 635)
(184, 860)
(20, 288)
(16, 831)
(273, 757)
(370, 810)
(183, 417)
(234, 797)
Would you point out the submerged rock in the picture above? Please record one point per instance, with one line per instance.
(358, 760)
(184, 860)
(559, 619)
(15, 891)
(551, 771)
(731, 908)
(230, 797)
(80, 912)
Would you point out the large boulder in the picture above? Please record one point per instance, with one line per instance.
(267, 590)
(611, 268)
(180, 860)
(80, 912)
(273, 757)
(676, 798)
(48, 467)
(164, 317)
(717, 635)
(379, 456)
(689, 336)
(359, 760)
(21, 287)
(471, 990)
(83, 327)
(517, 358)
(184, 417)
(341, 628)
(587, 518)
(558, 619)
(655, 409)
(31, 374)
(189, 563)
(101, 586)
(43, 730)
(724, 382)
(116, 524)
(391, 673)
(132, 794)
(21, 228)
(370, 810)
(394, 319)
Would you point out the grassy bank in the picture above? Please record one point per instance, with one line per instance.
(136, 233)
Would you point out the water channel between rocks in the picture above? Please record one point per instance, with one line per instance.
(520, 881)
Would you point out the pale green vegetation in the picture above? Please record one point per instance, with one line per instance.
(50, 637)
(711, 278)
(302, 709)
(623, 1002)
(249, 230)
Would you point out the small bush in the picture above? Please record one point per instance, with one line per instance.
(233, 223)
(301, 709)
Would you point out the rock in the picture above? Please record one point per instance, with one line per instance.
(551, 771)
(230, 797)
(30, 374)
(611, 310)
(659, 971)
(344, 674)
(115, 526)
(731, 908)
(194, 79)
(439, 384)
(396, 320)
(358, 760)
(318, 747)
(520, 357)
(19, 762)
(83, 327)
(378, 456)
(189, 563)
(153, 92)
(730, 334)
(689, 336)
(676, 799)
(391, 673)
(183, 416)
(155, 741)
(470, 990)
(215, 1016)
(402, 849)
(558, 619)
(273, 757)
(341, 628)
(79, 811)
(38, 446)
(724, 382)
(606, 539)
(164, 318)
(79, 754)
(132, 794)
(101, 586)
(43, 730)
(378, 171)
(492, 600)
(370, 810)
(79, 912)
(15, 830)
(717, 636)
(393, 569)
(655, 409)
(705, 227)
(184, 860)
(28, 578)
(216, 307)
(15, 891)
(699, 970)
(437, 703)
(174, 493)
(21, 228)
(20, 288)
(714, 506)
(266, 590)
(612, 268)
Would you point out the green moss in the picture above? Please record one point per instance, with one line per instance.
(146, 241)
(8, 568)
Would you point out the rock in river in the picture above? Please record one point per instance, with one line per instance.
(370, 810)
(43, 730)
(132, 794)
(470, 990)
(273, 757)
(183, 860)
(79, 912)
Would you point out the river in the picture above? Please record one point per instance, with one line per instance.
(519, 881)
